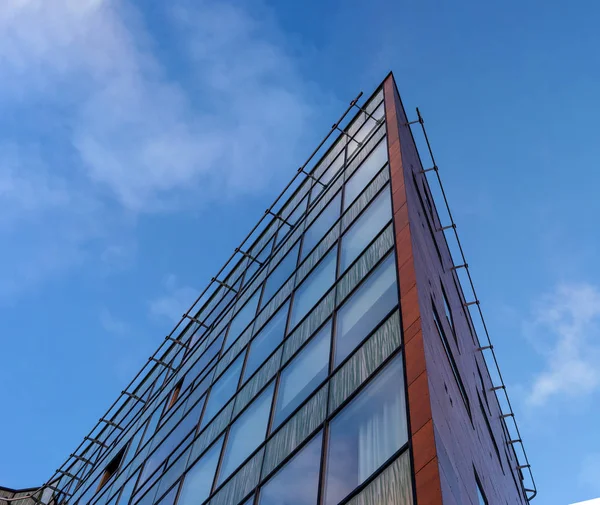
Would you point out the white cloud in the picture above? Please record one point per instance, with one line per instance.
(176, 300)
(113, 129)
(565, 330)
(113, 324)
(588, 476)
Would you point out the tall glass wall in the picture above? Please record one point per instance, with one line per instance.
(287, 387)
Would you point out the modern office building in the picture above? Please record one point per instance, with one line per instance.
(332, 360)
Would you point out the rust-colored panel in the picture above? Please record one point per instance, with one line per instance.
(408, 278)
(415, 366)
(427, 480)
(419, 402)
(434, 398)
(423, 442)
(410, 307)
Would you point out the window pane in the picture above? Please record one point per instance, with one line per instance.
(365, 228)
(246, 433)
(241, 319)
(266, 341)
(314, 287)
(223, 390)
(253, 265)
(297, 483)
(366, 433)
(300, 378)
(365, 173)
(321, 225)
(199, 478)
(361, 313)
(280, 274)
(292, 219)
(326, 176)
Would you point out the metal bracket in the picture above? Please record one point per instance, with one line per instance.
(180, 342)
(520, 467)
(310, 176)
(96, 441)
(247, 255)
(223, 284)
(464, 265)
(70, 475)
(160, 362)
(187, 316)
(110, 423)
(343, 132)
(504, 416)
(443, 228)
(277, 216)
(468, 304)
(80, 458)
(434, 167)
(378, 121)
(485, 348)
(134, 397)
(516, 441)
(420, 120)
(496, 388)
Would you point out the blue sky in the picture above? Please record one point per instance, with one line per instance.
(139, 143)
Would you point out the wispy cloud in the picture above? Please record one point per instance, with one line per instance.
(589, 472)
(112, 324)
(174, 302)
(113, 129)
(565, 329)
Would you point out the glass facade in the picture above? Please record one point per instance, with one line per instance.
(289, 379)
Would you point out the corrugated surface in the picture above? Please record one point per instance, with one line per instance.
(211, 433)
(365, 361)
(266, 372)
(391, 487)
(365, 263)
(302, 333)
(241, 484)
(296, 430)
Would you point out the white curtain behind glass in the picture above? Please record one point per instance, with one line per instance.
(380, 435)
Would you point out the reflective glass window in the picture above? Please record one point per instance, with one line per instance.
(199, 478)
(365, 129)
(303, 374)
(198, 368)
(297, 483)
(366, 433)
(166, 445)
(365, 308)
(314, 287)
(321, 225)
(280, 274)
(326, 176)
(242, 319)
(262, 257)
(365, 173)
(292, 219)
(266, 341)
(222, 390)
(246, 433)
(365, 228)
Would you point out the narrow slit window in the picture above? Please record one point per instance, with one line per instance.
(491, 433)
(449, 315)
(175, 394)
(481, 498)
(112, 468)
(450, 356)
